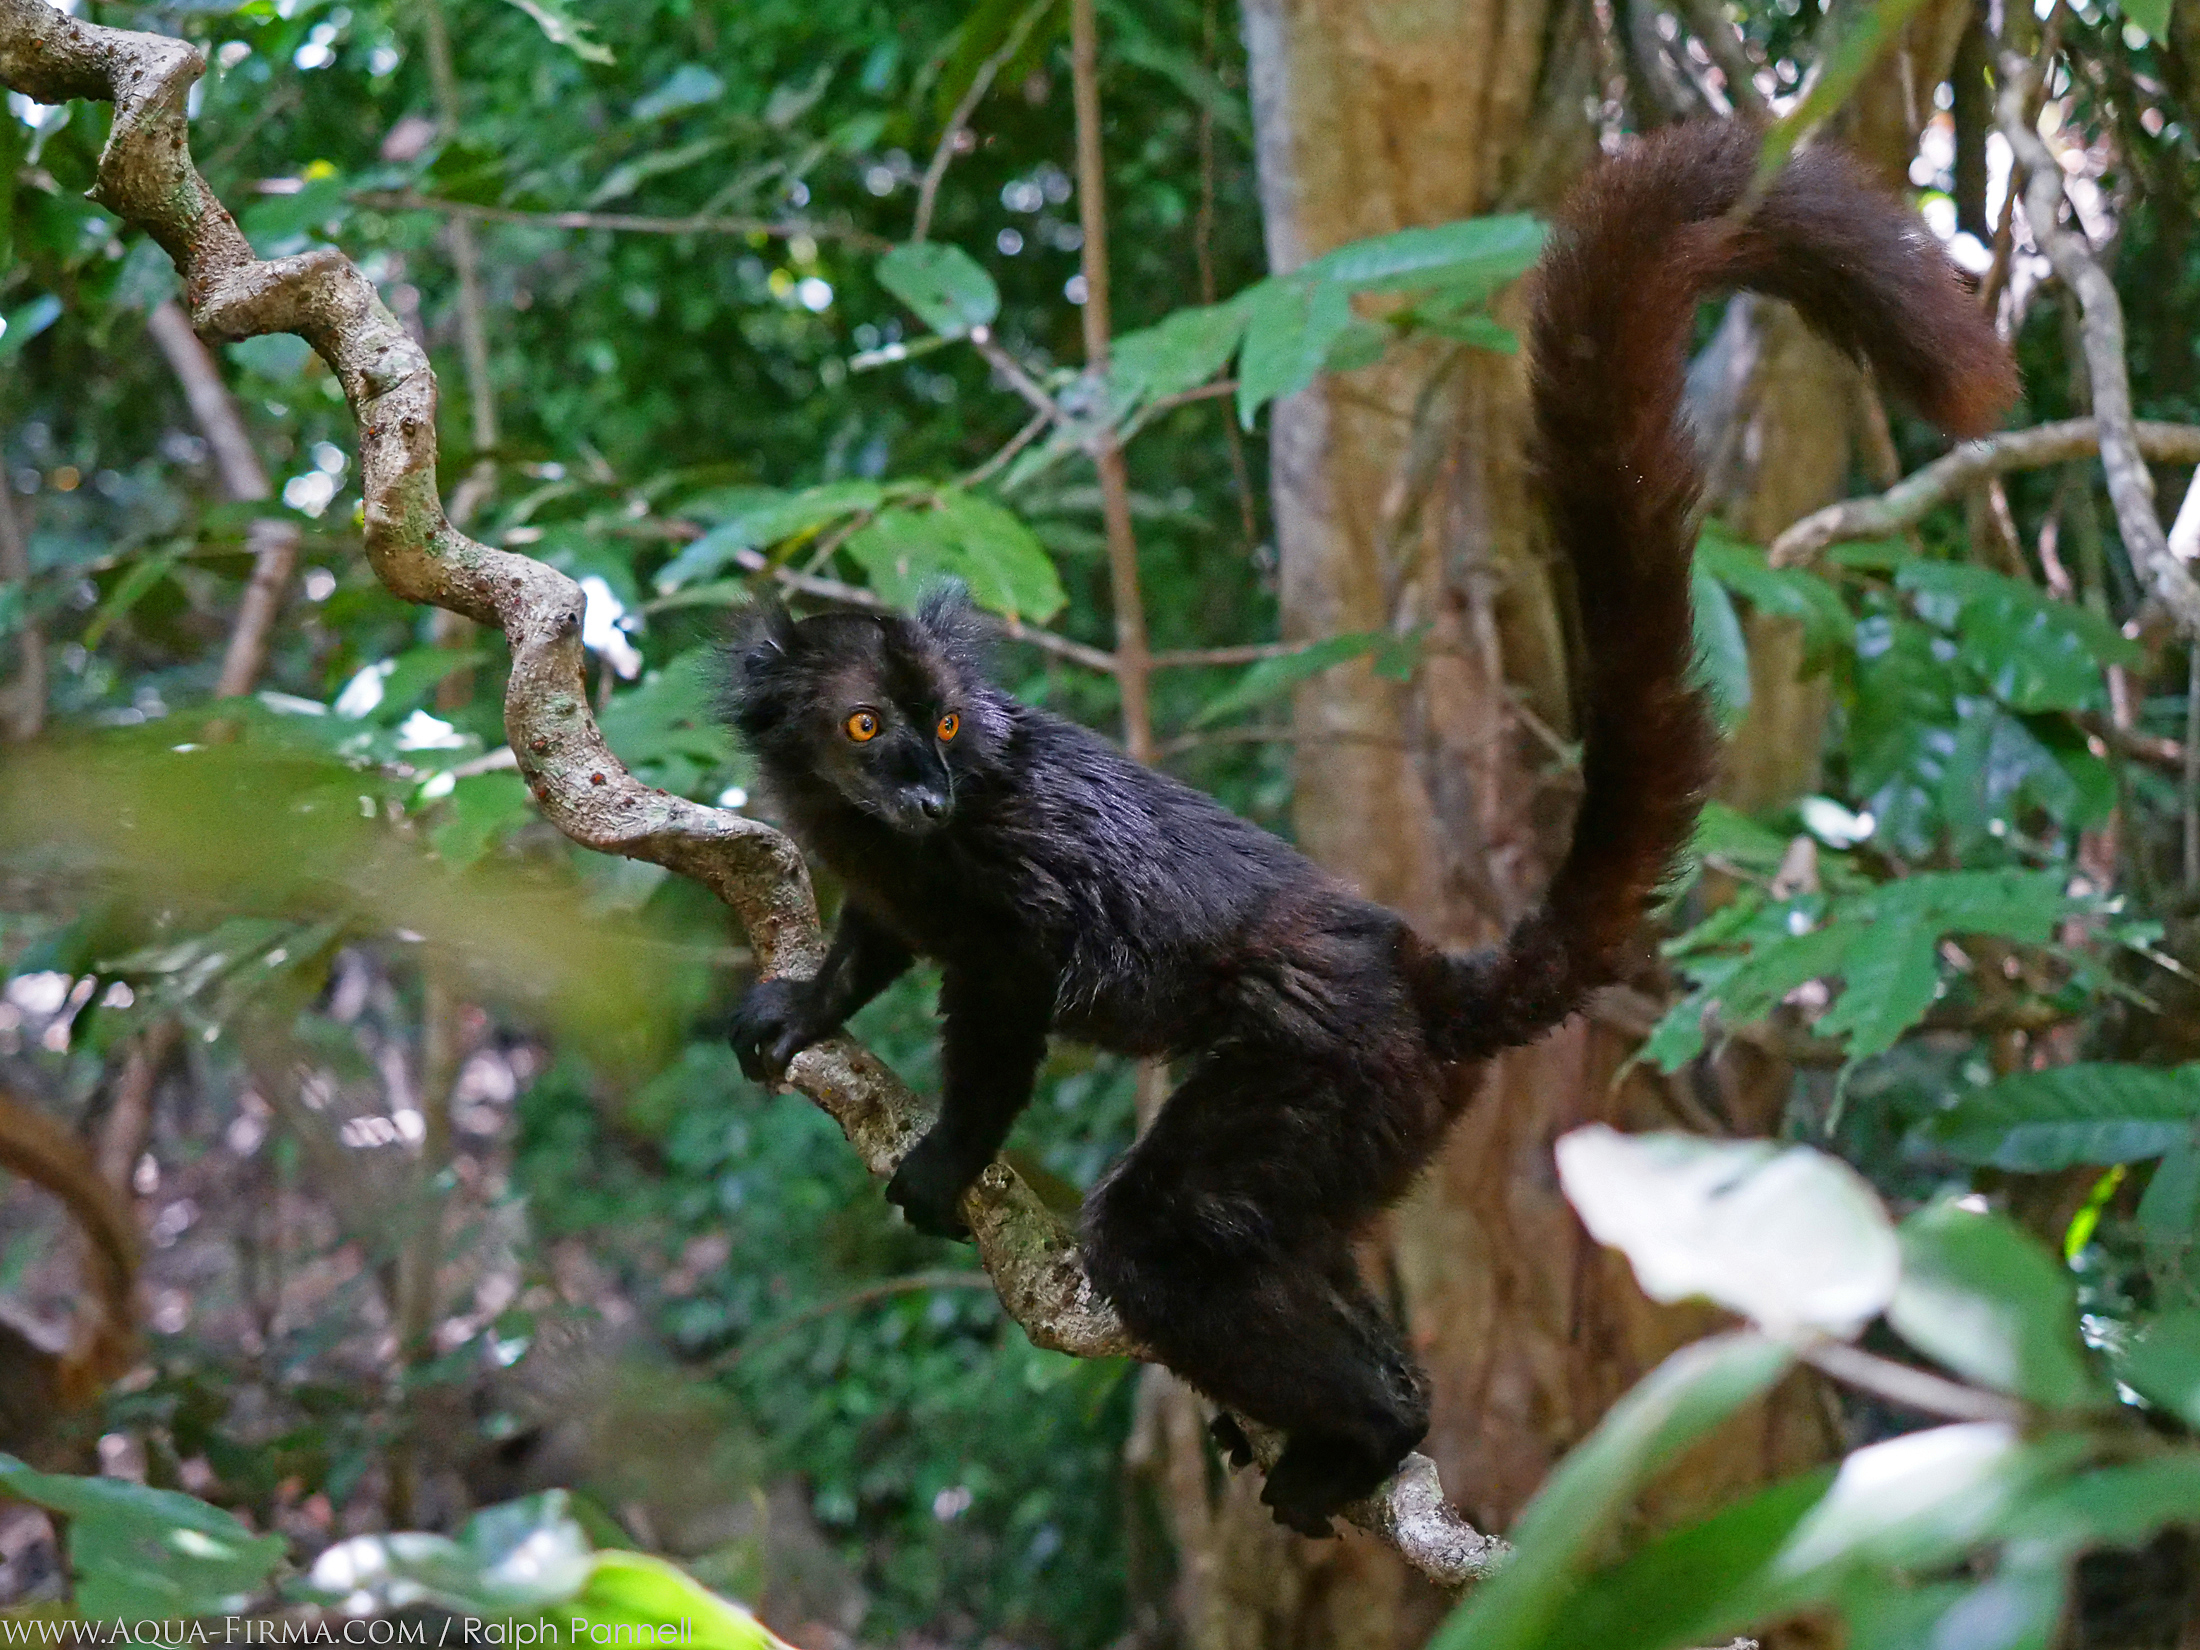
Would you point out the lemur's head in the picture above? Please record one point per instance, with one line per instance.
(894, 713)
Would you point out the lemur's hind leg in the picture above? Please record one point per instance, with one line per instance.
(1219, 1239)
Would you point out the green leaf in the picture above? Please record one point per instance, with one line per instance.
(1981, 1297)
(1851, 40)
(278, 225)
(1890, 975)
(943, 284)
(2162, 1364)
(1271, 678)
(2037, 1122)
(27, 323)
(145, 572)
(2034, 652)
(666, 728)
(754, 518)
(1566, 1526)
(1791, 1239)
(519, 1559)
(561, 28)
(1177, 353)
(642, 1595)
(2168, 1223)
(963, 537)
(2018, 1609)
(2114, 1506)
(1722, 656)
(481, 810)
(141, 1553)
(2152, 16)
(1783, 592)
(1476, 255)
(690, 86)
(1683, 1588)
(1290, 324)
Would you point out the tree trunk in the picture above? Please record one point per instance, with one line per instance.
(1401, 501)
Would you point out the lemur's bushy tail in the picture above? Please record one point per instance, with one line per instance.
(1640, 242)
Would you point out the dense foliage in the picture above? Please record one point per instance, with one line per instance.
(457, 1201)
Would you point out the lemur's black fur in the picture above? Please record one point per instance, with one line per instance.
(1066, 890)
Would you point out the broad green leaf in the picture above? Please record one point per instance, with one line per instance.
(1889, 977)
(1290, 324)
(2162, 1364)
(1175, 354)
(2168, 1224)
(1790, 1238)
(1479, 254)
(690, 86)
(666, 727)
(943, 284)
(1980, 1296)
(480, 811)
(1784, 592)
(985, 31)
(141, 1553)
(2040, 1121)
(2151, 15)
(1271, 678)
(756, 517)
(630, 1597)
(2017, 1609)
(1683, 1588)
(561, 28)
(622, 180)
(2113, 1506)
(1565, 1527)
(1006, 569)
(278, 225)
(1722, 656)
(1360, 344)
(2035, 653)
(1728, 834)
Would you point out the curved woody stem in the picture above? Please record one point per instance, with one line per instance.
(146, 176)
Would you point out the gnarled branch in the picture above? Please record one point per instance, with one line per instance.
(147, 177)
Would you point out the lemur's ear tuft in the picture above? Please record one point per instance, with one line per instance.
(763, 641)
(947, 616)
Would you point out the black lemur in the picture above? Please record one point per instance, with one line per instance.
(1066, 890)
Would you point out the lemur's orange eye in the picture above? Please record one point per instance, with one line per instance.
(863, 727)
(950, 725)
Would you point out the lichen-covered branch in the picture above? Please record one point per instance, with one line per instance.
(1911, 499)
(2101, 324)
(146, 176)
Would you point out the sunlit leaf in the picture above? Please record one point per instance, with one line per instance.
(1722, 656)
(635, 1595)
(1290, 325)
(561, 28)
(946, 287)
(1790, 1238)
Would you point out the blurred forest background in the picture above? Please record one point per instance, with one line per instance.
(449, 1190)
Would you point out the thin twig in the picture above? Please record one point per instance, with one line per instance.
(23, 706)
(1916, 1389)
(943, 152)
(1132, 664)
(1909, 501)
(145, 176)
(1016, 444)
(1707, 21)
(624, 223)
(272, 540)
(2130, 485)
(1012, 370)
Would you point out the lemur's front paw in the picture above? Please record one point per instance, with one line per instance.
(929, 1185)
(770, 1027)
